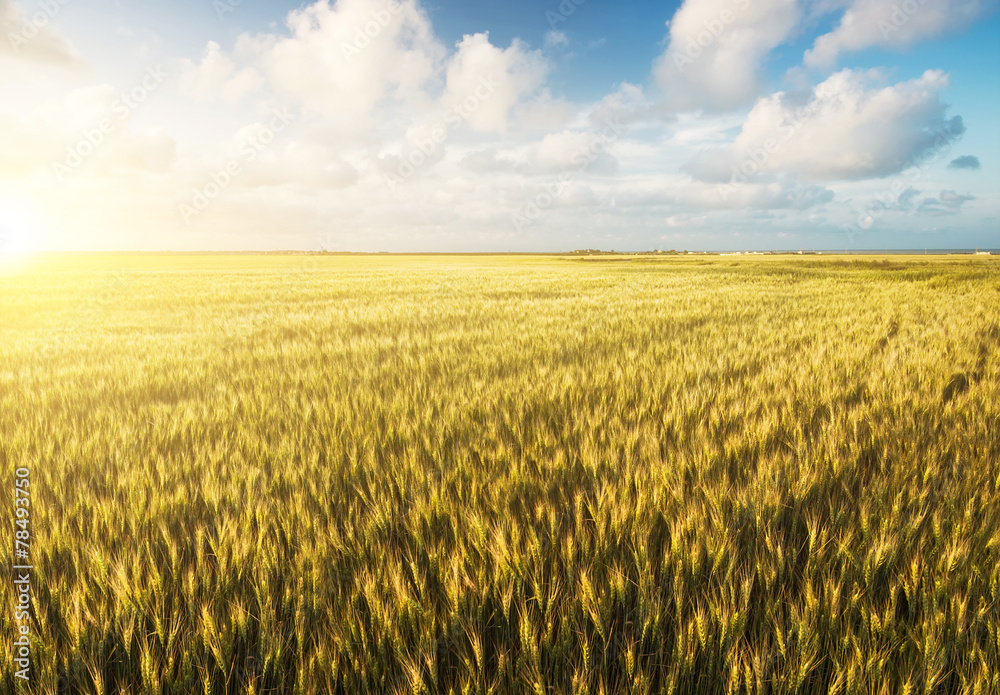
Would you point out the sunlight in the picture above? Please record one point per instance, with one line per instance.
(20, 231)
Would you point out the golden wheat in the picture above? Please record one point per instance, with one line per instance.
(506, 475)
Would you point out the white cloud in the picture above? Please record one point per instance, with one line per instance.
(341, 60)
(844, 130)
(627, 105)
(495, 79)
(716, 50)
(301, 163)
(488, 161)
(571, 152)
(83, 134)
(368, 85)
(150, 150)
(556, 39)
(891, 24)
(217, 75)
(779, 193)
(30, 36)
(365, 64)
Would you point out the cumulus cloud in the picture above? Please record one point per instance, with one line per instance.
(716, 50)
(496, 79)
(891, 24)
(487, 88)
(359, 64)
(845, 130)
(967, 161)
(341, 60)
(372, 89)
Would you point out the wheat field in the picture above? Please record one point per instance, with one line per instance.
(387, 475)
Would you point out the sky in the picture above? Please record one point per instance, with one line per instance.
(463, 126)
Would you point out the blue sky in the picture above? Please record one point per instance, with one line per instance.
(476, 126)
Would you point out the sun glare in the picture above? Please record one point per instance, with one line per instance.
(19, 231)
